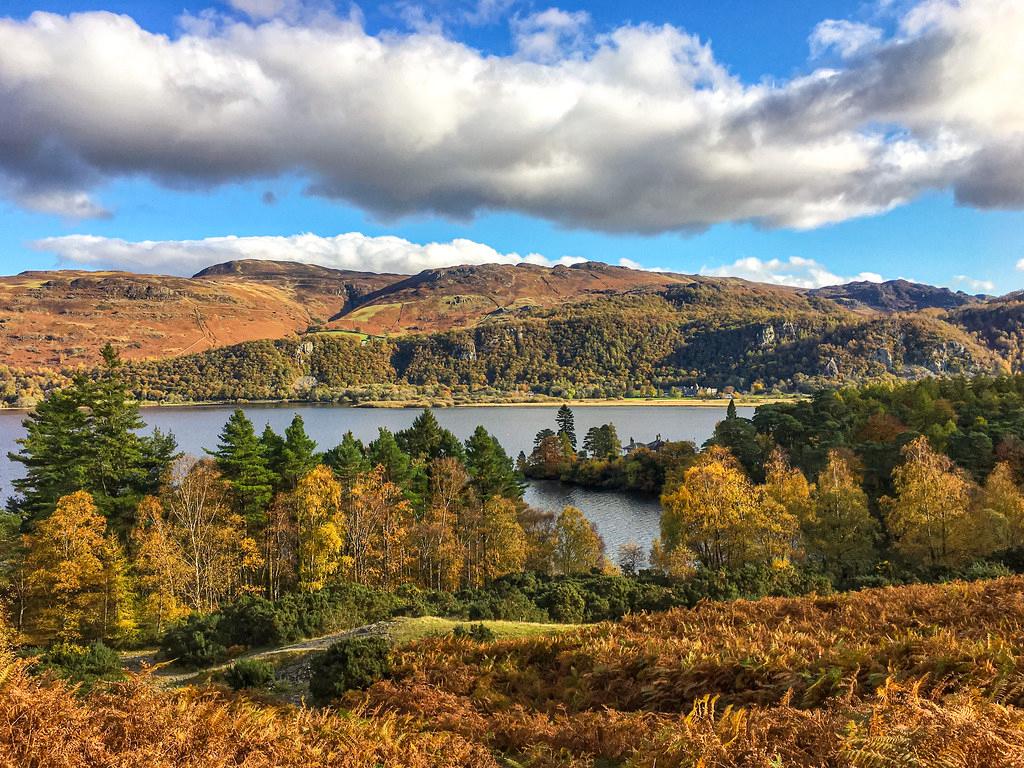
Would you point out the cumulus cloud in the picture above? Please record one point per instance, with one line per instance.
(548, 35)
(847, 38)
(639, 129)
(975, 285)
(795, 271)
(353, 250)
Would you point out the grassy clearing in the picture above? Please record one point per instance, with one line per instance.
(406, 630)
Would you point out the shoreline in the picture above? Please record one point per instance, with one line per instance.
(665, 402)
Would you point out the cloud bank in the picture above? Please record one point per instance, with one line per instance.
(795, 271)
(637, 129)
(353, 250)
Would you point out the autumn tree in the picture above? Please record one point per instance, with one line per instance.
(160, 565)
(928, 515)
(631, 558)
(785, 502)
(493, 540)
(439, 551)
(841, 532)
(710, 513)
(578, 547)
(378, 517)
(997, 513)
(320, 526)
(73, 568)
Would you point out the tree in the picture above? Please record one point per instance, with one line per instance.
(786, 503)
(321, 527)
(841, 533)
(730, 411)
(997, 513)
(566, 424)
(578, 547)
(385, 452)
(490, 467)
(379, 517)
(631, 558)
(713, 514)
(928, 514)
(14, 573)
(161, 565)
(551, 458)
(347, 459)
(241, 458)
(298, 453)
(85, 437)
(493, 541)
(213, 540)
(602, 442)
(66, 562)
(426, 439)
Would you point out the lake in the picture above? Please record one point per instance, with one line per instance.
(619, 517)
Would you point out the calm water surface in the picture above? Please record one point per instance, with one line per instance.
(619, 517)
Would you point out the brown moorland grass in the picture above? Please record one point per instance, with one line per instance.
(910, 676)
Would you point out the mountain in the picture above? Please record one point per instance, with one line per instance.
(587, 329)
(895, 296)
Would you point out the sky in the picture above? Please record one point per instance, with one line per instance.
(804, 142)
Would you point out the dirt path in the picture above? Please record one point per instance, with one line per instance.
(167, 676)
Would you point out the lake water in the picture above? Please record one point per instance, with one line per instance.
(619, 517)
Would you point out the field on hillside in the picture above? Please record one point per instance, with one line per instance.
(920, 675)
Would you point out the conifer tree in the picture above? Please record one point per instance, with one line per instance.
(730, 411)
(298, 453)
(426, 439)
(241, 459)
(347, 459)
(566, 424)
(490, 467)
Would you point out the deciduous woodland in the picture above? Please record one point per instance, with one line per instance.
(833, 585)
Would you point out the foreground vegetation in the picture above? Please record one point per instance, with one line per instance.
(919, 675)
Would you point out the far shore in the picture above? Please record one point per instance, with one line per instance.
(750, 401)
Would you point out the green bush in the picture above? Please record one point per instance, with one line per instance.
(81, 664)
(566, 604)
(478, 633)
(354, 663)
(196, 643)
(249, 673)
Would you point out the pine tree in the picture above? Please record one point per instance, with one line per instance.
(426, 439)
(566, 424)
(298, 453)
(86, 438)
(490, 467)
(241, 458)
(273, 450)
(730, 411)
(385, 452)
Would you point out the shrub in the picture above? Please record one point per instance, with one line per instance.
(82, 664)
(478, 633)
(249, 673)
(353, 663)
(196, 643)
(565, 604)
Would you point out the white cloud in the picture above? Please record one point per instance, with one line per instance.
(639, 129)
(548, 35)
(353, 250)
(847, 38)
(794, 271)
(975, 285)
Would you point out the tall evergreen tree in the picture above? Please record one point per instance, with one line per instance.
(566, 424)
(86, 438)
(490, 467)
(426, 439)
(730, 412)
(273, 450)
(347, 459)
(385, 452)
(241, 458)
(298, 453)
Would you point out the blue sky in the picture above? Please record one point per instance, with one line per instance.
(918, 231)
